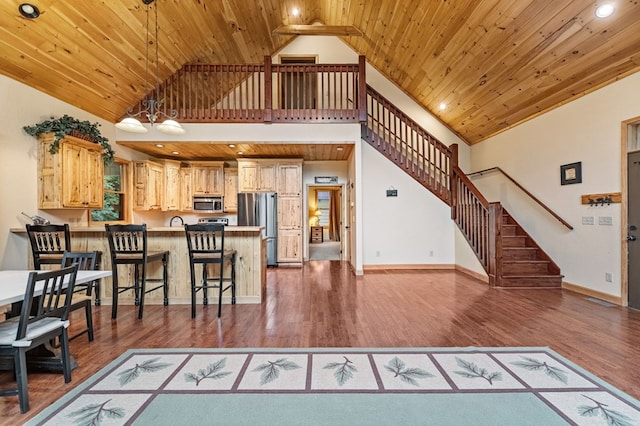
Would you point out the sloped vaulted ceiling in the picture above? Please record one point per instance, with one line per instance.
(495, 63)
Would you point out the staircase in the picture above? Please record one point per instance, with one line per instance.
(509, 255)
(524, 263)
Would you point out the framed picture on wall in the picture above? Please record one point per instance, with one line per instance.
(571, 173)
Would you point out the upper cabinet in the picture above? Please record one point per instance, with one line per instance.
(186, 189)
(289, 179)
(230, 190)
(257, 175)
(148, 184)
(71, 178)
(172, 186)
(208, 178)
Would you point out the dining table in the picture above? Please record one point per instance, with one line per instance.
(13, 284)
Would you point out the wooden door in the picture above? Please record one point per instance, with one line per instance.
(633, 231)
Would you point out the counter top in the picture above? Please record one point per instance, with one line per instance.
(151, 229)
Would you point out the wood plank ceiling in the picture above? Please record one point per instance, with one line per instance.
(495, 63)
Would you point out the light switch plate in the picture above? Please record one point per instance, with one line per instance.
(587, 220)
(605, 220)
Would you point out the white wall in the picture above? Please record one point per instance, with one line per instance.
(586, 130)
(412, 228)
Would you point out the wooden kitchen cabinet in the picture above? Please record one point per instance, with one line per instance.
(257, 175)
(186, 190)
(172, 186)
(208, 178)
(148, 184)
(289, 189)
(230, 190)
(289, 212)
(71, 178)
(290, 246)
(290, 179)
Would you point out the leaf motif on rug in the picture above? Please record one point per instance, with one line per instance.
(533, 364)
(148, 366)
(94, 414)
(212, 371)
(343, 370)
(472, 371)
(612, 417)
(407, 375)
(271, 370)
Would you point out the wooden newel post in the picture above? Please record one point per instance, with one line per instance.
(268, 89)
(453, 182)
(362, 89)
(494, 267)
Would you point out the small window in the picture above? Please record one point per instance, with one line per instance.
(324, 203)
(115, 196)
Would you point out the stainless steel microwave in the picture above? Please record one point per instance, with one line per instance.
(208, 204)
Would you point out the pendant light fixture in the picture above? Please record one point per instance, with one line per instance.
(153, 102)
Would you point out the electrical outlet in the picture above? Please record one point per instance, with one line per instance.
(377, 253)
(608, 277)
(605, 220)
(587, 220)
(430, 253)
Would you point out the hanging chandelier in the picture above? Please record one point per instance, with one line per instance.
(152, 104)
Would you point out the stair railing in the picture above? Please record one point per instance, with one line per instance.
(435, 166)
(408, 145)
(523, 189)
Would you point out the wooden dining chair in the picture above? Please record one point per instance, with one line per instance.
(128, 246)
(43, 317)
(205, 243)
(48, 243)
(82, 292)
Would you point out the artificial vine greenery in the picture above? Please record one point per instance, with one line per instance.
(67, 125)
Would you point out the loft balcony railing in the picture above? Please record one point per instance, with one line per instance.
(266, 93)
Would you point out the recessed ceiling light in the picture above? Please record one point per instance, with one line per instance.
(604, 10)
(231, 145)
(175, 152)
(240, 152)
(159, 145)
(29, 11)
(443, 106)
(295, 11)
(339, 148)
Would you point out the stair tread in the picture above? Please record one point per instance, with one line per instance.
(532, 276)
(525, 261)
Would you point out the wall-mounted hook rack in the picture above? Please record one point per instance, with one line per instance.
(598, 200)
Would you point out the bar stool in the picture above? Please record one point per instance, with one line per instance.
(128, 246)
(206, 247)
(48, 243)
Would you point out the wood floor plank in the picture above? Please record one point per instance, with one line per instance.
(324, 305)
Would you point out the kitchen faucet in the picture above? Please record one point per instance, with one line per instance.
(176, 217)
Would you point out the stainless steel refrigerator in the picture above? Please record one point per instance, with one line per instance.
(261, 209)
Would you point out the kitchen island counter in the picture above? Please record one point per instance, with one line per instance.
(248, 241)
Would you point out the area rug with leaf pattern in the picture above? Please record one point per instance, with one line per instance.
(351, 386)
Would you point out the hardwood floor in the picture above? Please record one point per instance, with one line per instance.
(324, 305)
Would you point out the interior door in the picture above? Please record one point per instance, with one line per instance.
(633, 231)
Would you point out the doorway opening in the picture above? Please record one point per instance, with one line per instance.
(631, 217)
(325, 206)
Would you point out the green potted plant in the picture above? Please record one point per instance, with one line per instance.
(67, 125)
